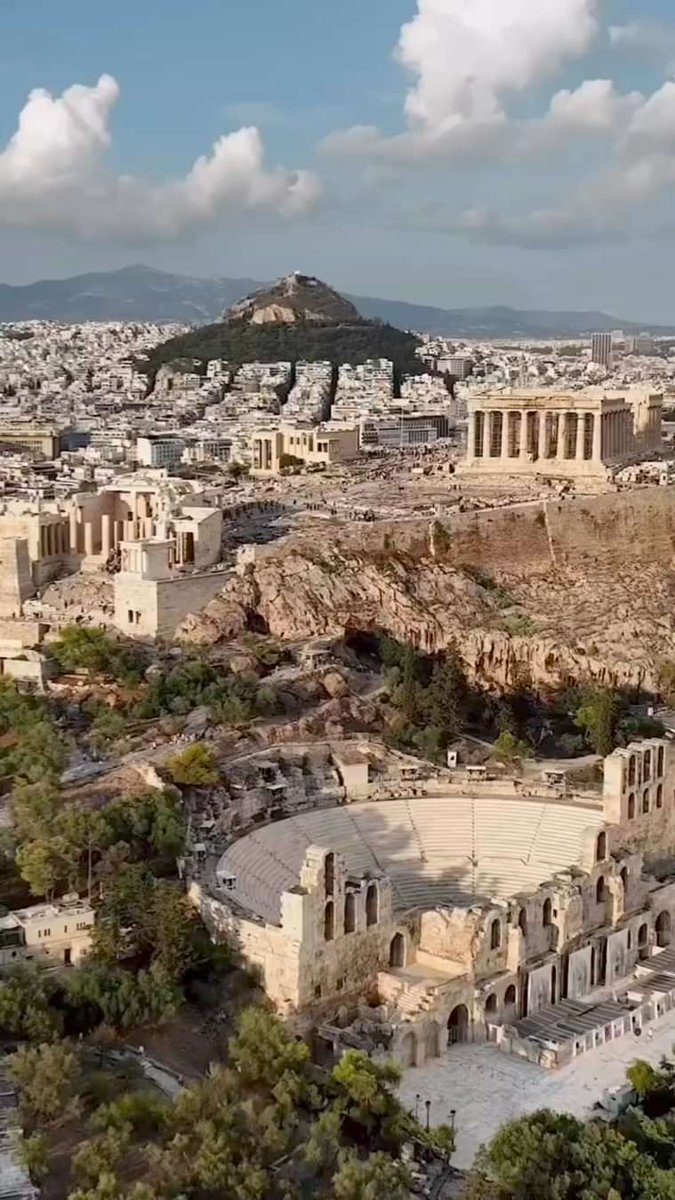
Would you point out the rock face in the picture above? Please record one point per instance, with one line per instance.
(294, 299)
(562, 592)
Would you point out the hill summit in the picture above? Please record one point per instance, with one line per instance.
(295, 299)
(297, 318)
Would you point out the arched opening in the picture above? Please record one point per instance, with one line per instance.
(659, 796)
(547, 912)
(600, 890)
(522, 921)
(329, 874)
(491, 1008)
(631, 806)
(350, 912)
(432, 1045)
(660, 760)
(329, 921)
(495, 935)
(397, 951)
(554, 985)
(371, 904)
(643, 941)
(647, 766)
(458, 1025)
(510, 999)
(408, 1052)
(631, 769)
(662, 928)
(601, 848)
(624, 878)
(645, 800)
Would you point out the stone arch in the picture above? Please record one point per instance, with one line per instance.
(600, 890)
(601, 847)
(522, 921)
(547, 912)
(458, 1025)
(645, 800)
(660, 761)
(659, 795)
(432, 1041)
(329, 873)
(510, 1004)
(372, 905)
(491, 1005)
(397, 951)
(623, 874)
(643, 941)
(554, 984)
(631, 769)
(662, 927)
(329, 922)
(647, 766)
(495, 935)
(631, 806)
(408, 1051)
(350, 912)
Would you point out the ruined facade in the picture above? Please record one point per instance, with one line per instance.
(575, 436)
(454, 915)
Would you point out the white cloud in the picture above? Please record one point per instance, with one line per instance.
(468, 59)
(53, 175)
(468, 56)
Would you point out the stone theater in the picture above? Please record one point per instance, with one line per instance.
(478, 909)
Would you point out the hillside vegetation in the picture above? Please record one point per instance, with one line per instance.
(240, 342)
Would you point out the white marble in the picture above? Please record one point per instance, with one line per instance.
(487, 1088)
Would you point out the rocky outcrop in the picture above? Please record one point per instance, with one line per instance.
(558, 592)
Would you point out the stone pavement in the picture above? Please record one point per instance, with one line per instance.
(487, 1087)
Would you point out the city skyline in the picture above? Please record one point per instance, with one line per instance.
(406, 158)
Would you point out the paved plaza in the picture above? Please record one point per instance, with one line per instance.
(487, 1088)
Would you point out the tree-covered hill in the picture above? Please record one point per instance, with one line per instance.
(239, 342)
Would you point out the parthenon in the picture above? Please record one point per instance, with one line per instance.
(549, 433)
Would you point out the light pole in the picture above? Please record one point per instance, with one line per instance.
(417, 1105)
(427, 1105)
(452, 1114)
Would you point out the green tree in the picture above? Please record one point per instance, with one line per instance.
(373, 1178)
(123, 926)
(47, 1077)
(366, 1101)
(263, 1051)
(34, 1156)
(26, 1008)
(174, 929)
(598, 716)
(42, 865)
(194, 767)
(554, 1155)
(510, 749)
(100, 1156)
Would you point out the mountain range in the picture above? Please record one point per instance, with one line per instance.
(139, 293)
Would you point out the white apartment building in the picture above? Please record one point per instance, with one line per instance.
(58, 932)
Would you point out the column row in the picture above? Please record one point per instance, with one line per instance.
(531, 435)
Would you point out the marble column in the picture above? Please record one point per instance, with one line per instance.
(106, 534)
(89, 538)
(523, 434)
(72, 520)
(597, 437)
(581, 426)
(505, 434)
(471, 437)
(562, 435)
(542, 433)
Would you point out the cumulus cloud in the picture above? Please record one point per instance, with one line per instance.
(468, 60)
(53, 175)
(467, 57)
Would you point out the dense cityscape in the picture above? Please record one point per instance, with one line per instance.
(337, 634)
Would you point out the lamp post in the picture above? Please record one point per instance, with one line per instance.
(452, 1114)
(427, 1105)
(417, 1105)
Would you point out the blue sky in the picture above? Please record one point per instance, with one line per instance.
(502, 151)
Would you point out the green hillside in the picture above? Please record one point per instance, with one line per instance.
(240, 342)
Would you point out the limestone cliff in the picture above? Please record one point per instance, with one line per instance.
(562, 592)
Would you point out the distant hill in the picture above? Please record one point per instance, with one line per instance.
(299, 317)
(143, 294)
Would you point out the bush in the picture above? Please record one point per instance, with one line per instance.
(194, 767)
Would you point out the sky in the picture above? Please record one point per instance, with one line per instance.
(449, 152)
